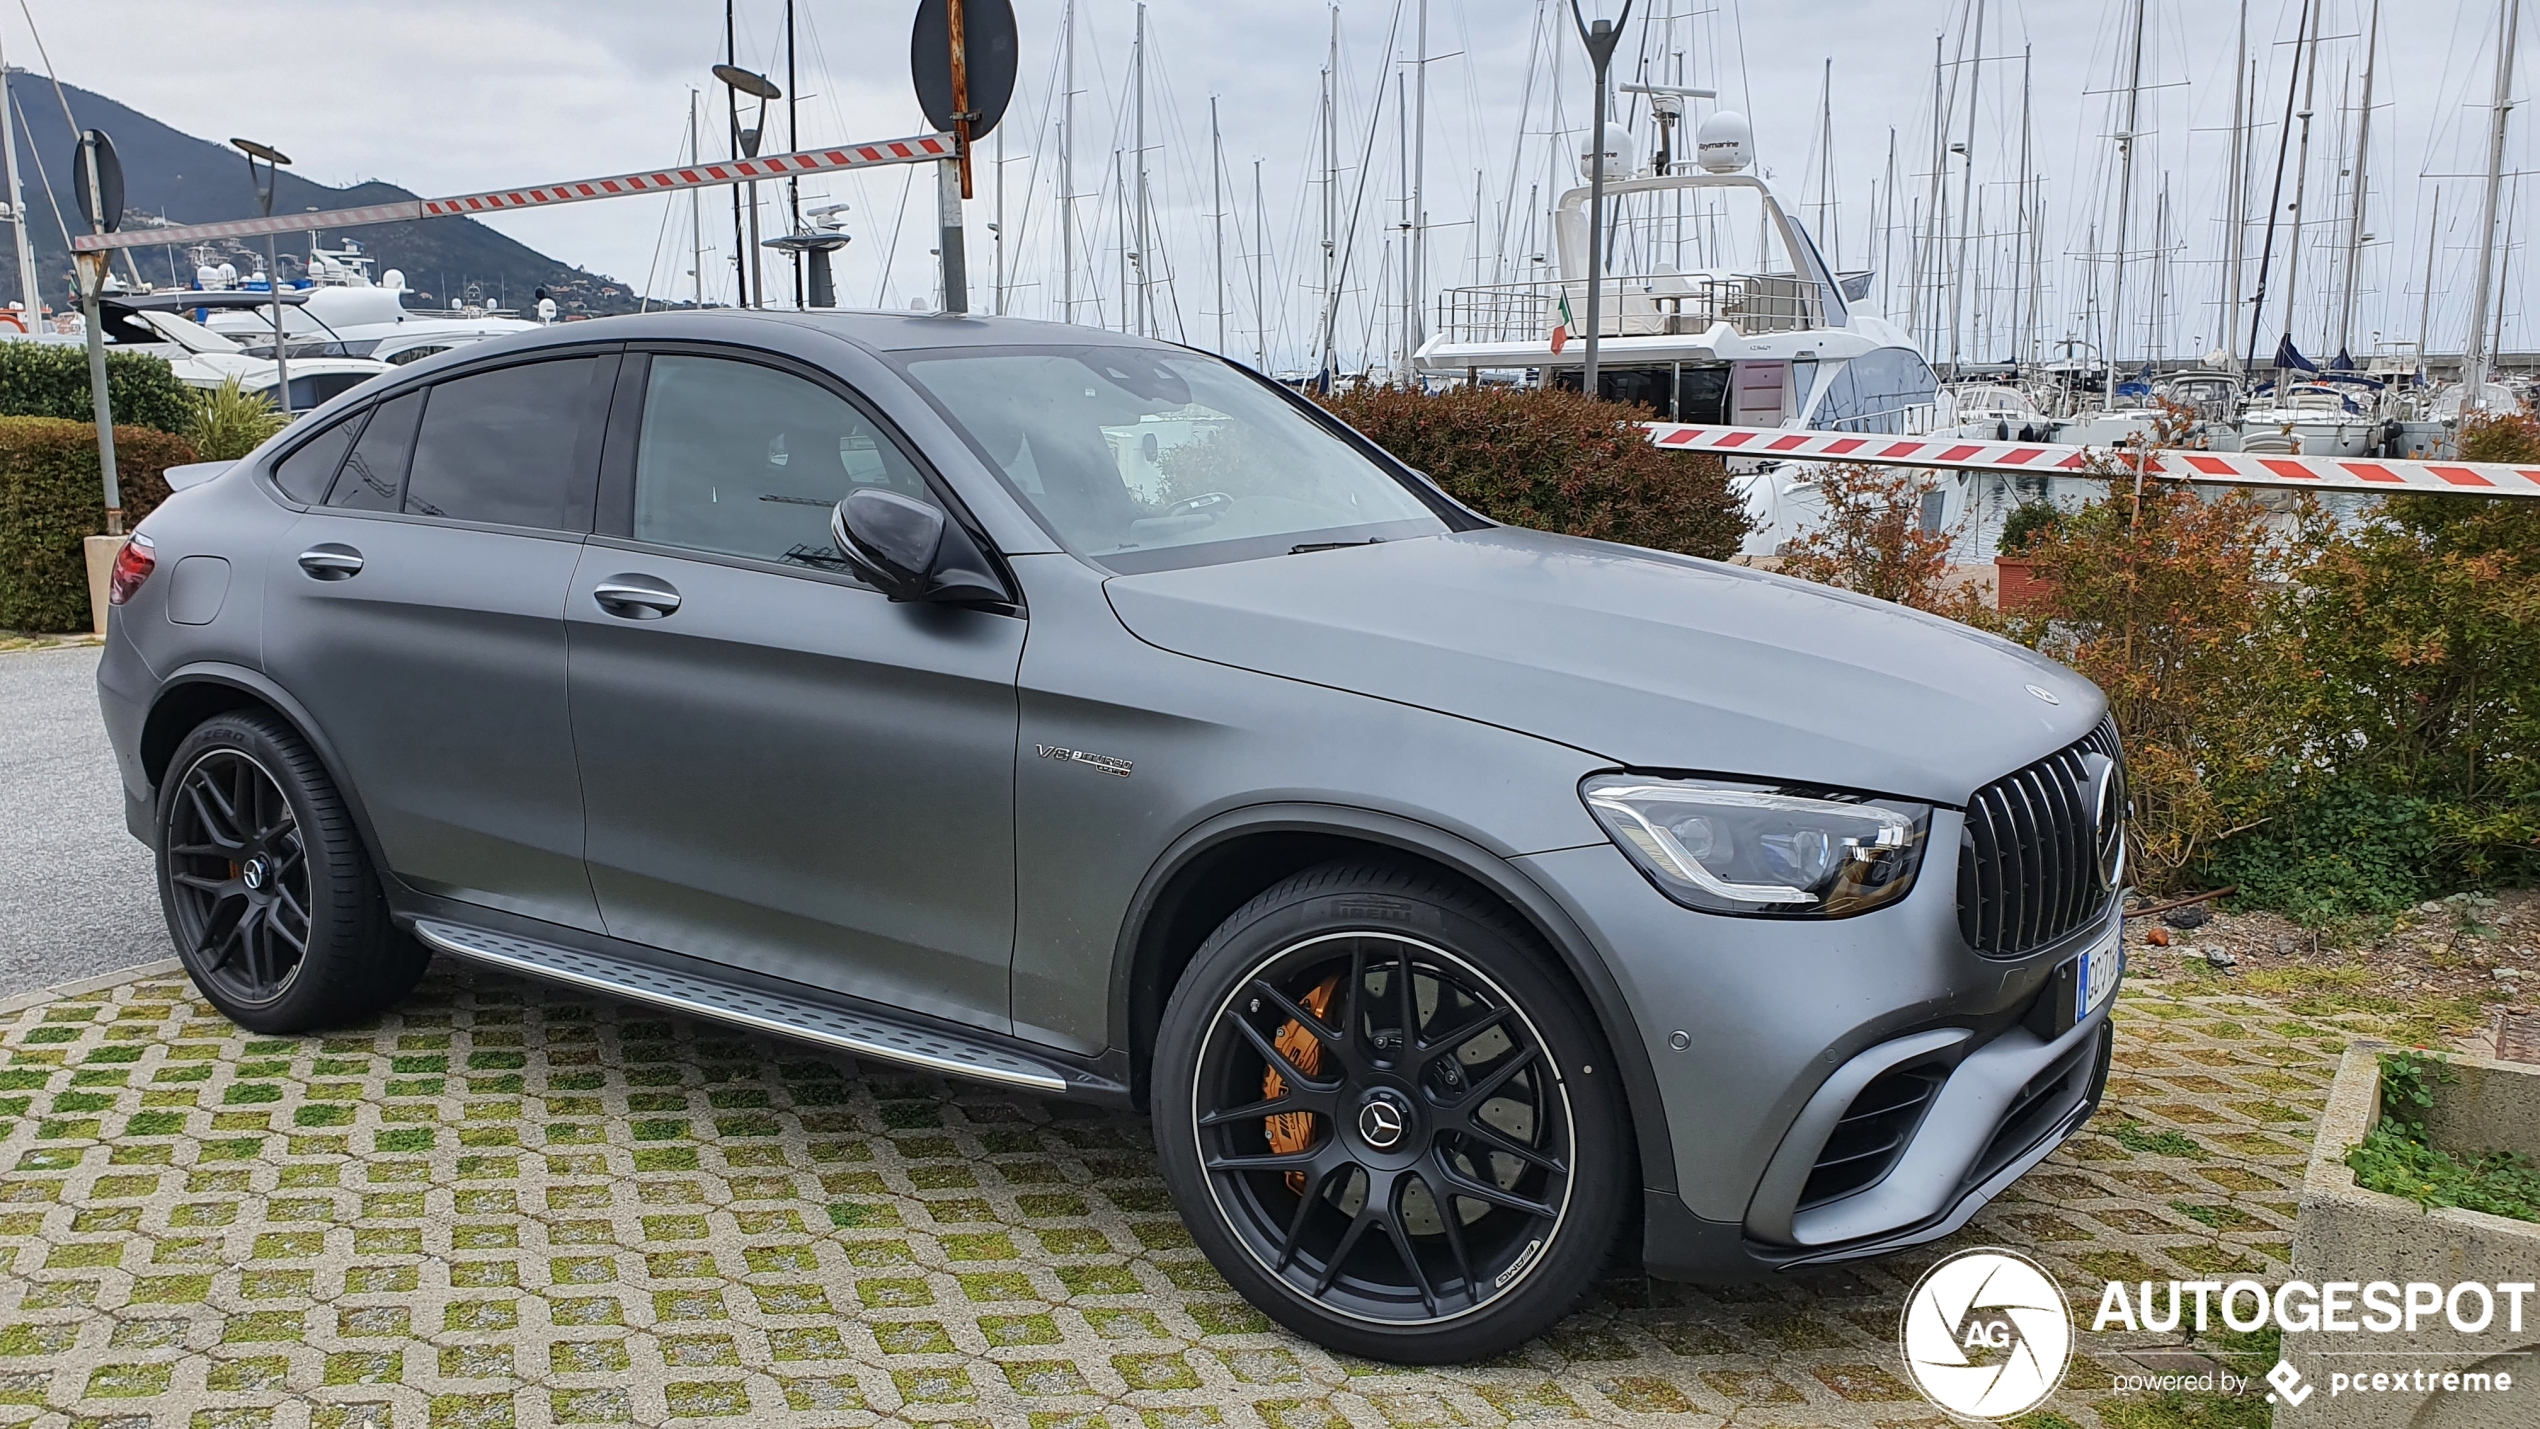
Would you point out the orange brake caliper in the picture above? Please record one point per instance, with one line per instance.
(1293, 1131)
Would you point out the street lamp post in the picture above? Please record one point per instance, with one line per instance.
(1600, 38)
(762, 89)
(274, 159)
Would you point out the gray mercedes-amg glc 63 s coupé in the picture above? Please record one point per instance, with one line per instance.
(1093, 717)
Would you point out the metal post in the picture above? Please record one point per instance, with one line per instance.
(948, 205)
(92, 280)
(281, 344)
(1600, 39)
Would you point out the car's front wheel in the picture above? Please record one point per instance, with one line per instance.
(271, 900)
(1386, 1120)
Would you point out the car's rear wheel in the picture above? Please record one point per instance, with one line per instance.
(270, 899)
(1386, 1120)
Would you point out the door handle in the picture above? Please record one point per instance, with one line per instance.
(331, 562)
(636, 597)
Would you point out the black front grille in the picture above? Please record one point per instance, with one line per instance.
(2028, 861)
(1872, 1134)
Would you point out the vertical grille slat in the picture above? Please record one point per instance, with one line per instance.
(2028, 867)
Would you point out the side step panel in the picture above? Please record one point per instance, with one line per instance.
(863, 1036)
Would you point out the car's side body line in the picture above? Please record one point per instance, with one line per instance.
(1504, 880)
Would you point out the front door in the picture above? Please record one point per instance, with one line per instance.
(420, 620)
(784, 770)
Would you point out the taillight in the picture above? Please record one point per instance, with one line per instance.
(133, 565)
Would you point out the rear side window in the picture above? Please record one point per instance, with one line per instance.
(306, 472)
(749, 461)
(513, 445)
(375, 475)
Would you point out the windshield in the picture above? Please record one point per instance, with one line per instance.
(1143, 459)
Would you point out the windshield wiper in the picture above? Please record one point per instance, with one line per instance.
(1333, 545)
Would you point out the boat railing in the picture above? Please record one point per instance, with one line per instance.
(1652, 305)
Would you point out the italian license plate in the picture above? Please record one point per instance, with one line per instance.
(2096, 977)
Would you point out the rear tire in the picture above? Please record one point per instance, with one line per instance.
(1430, 1196)
(270, 897)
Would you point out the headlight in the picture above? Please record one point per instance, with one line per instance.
(1760, 848)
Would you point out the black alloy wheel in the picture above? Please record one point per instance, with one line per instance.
(1432, 1161)
(238, 877)
(270, 897)
(1396, 1142)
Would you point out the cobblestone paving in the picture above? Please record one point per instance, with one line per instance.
(506, 1207)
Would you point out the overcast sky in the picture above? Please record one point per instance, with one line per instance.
(459, 95)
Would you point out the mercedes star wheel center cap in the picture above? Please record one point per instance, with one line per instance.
(1382, 1121)
(253, 875)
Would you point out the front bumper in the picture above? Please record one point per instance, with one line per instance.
(1765, 1036)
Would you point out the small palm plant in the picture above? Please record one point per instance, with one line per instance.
(230, 422)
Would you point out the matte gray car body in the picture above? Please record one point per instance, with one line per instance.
(820, 795)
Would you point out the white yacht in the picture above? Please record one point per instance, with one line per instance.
(343, 313)
(1716, 308)
(159, 324)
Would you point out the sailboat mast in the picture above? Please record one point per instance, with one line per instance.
(2363, 160)
(29, 296)
(1138, 162)
(1328, 311)
(2024, 296)
(1939, 152)
(2125, 200)
(1967, 187)
(2425, 297)
(1412, 326)
(794, 142)
(2235, 232)
(1217, 201)
(2301, 180)
(2475, 354)
(696, 200)
(1067, 167)
(1260, 257)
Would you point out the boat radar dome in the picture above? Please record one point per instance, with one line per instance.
(1725, 143)
(1618, 155)
(394, 280)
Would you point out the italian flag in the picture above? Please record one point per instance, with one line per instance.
(1561, 329)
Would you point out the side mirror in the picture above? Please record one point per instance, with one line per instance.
(909, 550)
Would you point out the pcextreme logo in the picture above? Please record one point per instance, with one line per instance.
(1986, 1334)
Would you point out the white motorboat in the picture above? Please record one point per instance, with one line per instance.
(157, 324)
(1716, 307)
(343, 313)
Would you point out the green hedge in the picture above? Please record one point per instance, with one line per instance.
(1556, 461)
(44, 379)
(51, 497)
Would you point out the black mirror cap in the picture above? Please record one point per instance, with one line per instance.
(891, 539)
(909, 551)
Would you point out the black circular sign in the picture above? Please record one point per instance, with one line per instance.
(104, 208)
(990, 48)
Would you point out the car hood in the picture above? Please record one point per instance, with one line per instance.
(1651, 660)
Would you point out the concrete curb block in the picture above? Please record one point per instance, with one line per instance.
(135, 973)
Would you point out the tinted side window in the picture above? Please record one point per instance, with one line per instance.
(375, 475)
(749, 461)
(305, 474)
(510, 446)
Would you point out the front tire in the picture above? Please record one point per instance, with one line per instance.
(1386, 1119)
(270, 898)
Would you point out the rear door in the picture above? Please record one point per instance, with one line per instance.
(422, 624)
(784, 770)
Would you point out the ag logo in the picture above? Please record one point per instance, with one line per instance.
(1986, 1334)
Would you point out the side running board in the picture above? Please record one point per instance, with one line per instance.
(857, 1034)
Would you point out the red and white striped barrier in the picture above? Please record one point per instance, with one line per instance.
(2309, 473)
(916, 149)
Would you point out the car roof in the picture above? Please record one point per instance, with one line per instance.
(874, 331)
